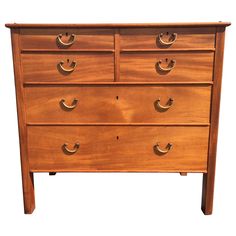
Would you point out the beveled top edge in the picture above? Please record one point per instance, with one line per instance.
(119, 25)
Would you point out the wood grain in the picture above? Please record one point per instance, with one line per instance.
(143, 67)
(130, 149)
(27, 176)
(147, 38)
(84, 38)
(90, 67)
(121, 104)
(209, 178)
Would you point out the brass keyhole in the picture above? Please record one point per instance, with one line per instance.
(117, 97)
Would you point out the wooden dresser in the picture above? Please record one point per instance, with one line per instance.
(118, 98)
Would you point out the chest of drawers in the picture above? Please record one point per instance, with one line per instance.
(118, 98)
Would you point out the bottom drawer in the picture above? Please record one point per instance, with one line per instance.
(118, 148)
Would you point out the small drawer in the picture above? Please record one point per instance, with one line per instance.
(117, 148)
(68, 67)
(166, 67)
(57, 39)
(166, 38)
(118, 104)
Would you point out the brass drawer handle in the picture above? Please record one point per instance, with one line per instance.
(69, 43)
(69, 107)
(70, 151)
(172, 39)
(72, 65)
(170, 66)
(158, 150)
(167, 106)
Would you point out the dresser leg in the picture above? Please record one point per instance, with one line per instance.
(28, 192)
(52, 173)
(183, 173)
(207, 193)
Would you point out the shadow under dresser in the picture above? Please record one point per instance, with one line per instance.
(118, 98)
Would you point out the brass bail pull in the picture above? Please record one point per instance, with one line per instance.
(66, 44)
(170, 66)
(69, 107)
(70, 151)
(171, 40)
(164, 107)
(71, 69)
(158, 150)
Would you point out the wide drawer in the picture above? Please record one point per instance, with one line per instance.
(56, 39)
(167, 38)
(166, 67)
(118, 104)
(117, 148)
(69, 67)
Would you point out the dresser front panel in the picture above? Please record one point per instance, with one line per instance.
(117, 148)
(118, 104)
(48, 39)
(145, 67)
(186, 38)
(43, 67)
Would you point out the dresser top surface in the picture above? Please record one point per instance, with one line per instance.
(119, 25)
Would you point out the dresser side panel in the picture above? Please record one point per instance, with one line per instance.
(209, 177)
(27, 176)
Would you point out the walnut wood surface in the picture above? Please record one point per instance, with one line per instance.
(84, 38)
(121, 104)
(147, 38)
(115, 148)
(90, 67)
(189, 67)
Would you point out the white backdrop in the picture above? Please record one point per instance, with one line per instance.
(116, 204)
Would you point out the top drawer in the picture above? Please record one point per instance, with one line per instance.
(66, 39)
(164, 38)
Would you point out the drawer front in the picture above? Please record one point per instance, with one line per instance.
(69, 67)
(66, 39)
(118, 104)
(117, 148)
(166, 67)
(164, 38)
